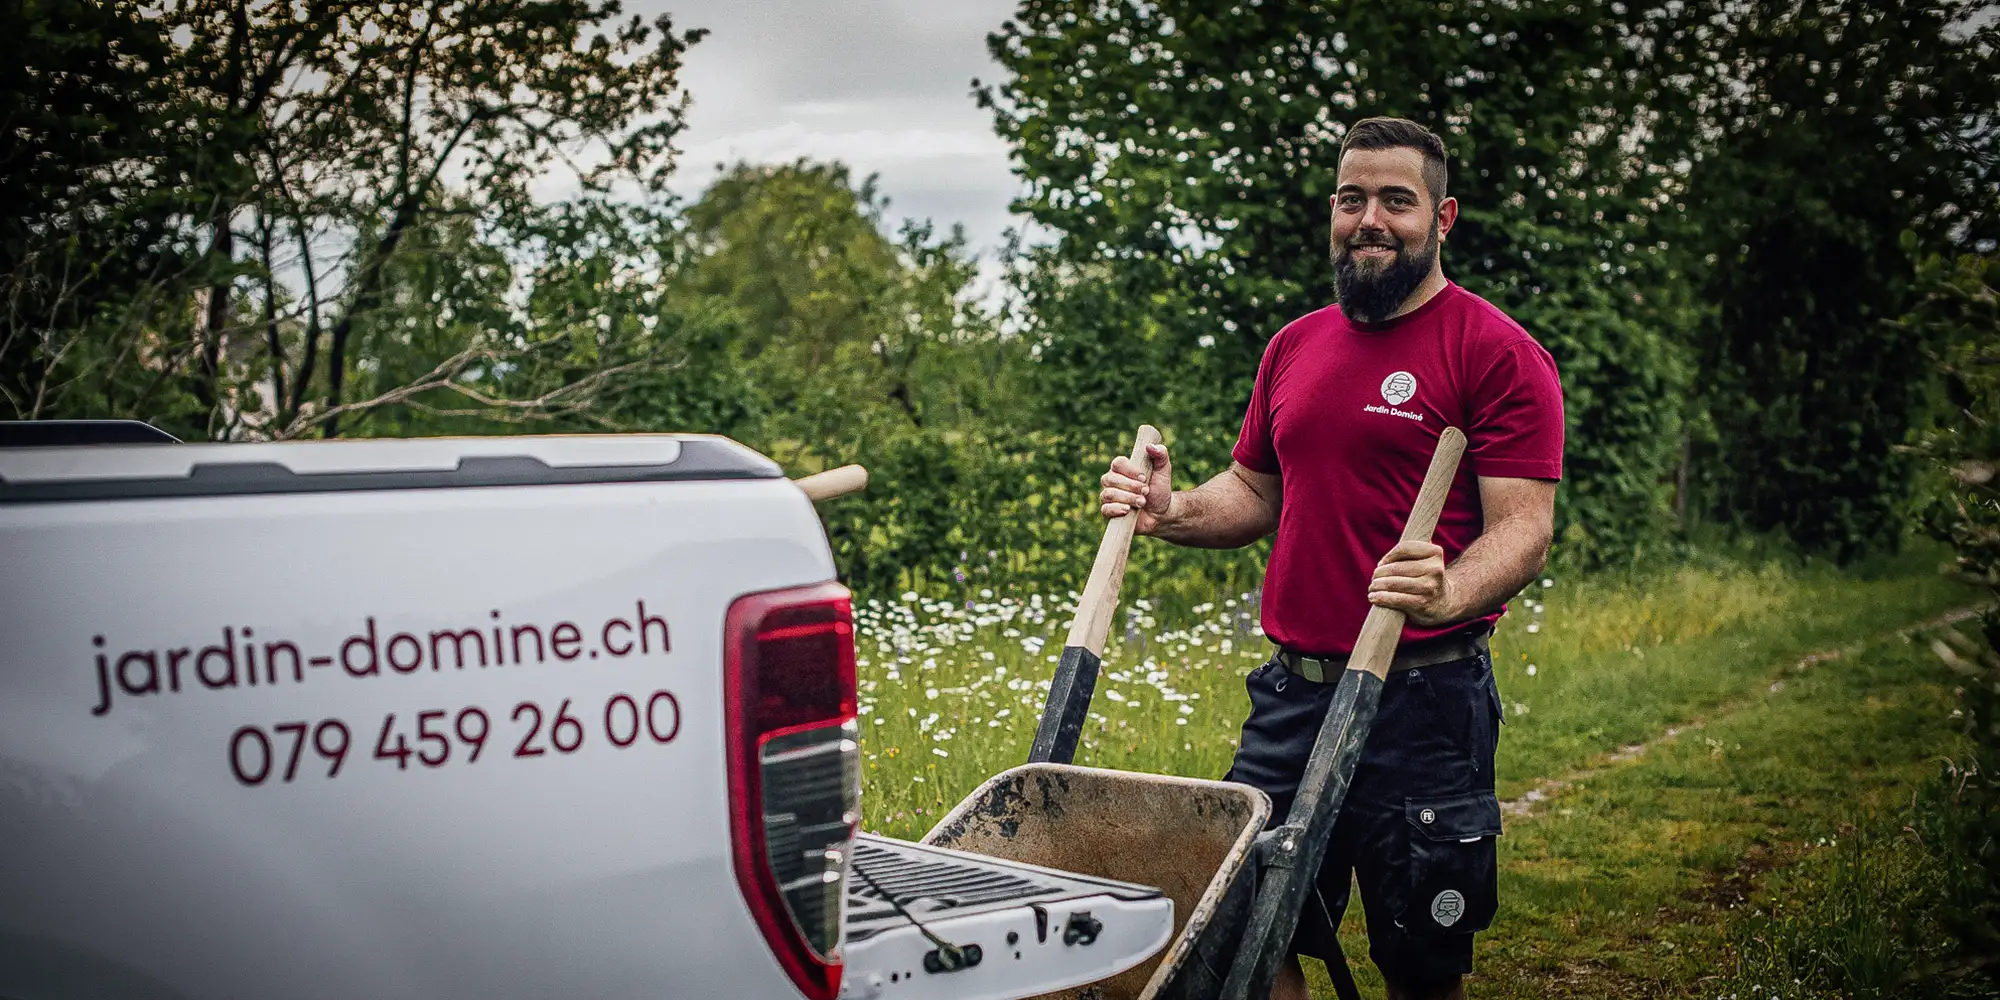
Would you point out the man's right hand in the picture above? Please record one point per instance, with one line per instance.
(1124, 493)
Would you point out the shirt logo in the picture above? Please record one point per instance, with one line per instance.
(1398, 388)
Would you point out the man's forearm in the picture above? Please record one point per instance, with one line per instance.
(1495, 567)
(1224, 513)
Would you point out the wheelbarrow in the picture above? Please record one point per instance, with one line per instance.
(1237, 888)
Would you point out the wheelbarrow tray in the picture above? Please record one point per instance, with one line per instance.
(1190, 837)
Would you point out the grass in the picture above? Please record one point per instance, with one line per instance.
(951, 692)
(1626, 884)
(1633, 883)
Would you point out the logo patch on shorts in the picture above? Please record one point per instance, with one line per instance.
(1447, 907)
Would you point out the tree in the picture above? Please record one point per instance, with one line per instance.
(824, 340)
(852, 336)
(1822, 132)
(1184, 155)
(327, 137)
(91, 135)
(1958, 309)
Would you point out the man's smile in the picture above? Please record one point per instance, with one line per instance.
(1371, 248)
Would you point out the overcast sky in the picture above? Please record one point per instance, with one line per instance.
(883, 86)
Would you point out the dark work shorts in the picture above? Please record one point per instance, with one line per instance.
(1417, 830)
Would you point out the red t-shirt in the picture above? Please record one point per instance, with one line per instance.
(1349, 414)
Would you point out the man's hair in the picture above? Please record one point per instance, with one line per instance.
(1402, 133)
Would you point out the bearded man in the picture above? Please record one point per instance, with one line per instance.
(1347, 408)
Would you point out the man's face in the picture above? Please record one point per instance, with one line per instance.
(1386, 231)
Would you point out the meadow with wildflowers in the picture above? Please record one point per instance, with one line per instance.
(951, 692)
(951, 688)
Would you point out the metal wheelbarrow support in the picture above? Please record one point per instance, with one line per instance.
(1251, 924)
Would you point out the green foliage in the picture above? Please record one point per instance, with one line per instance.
(1839, 127)
(1867, 918)
(1958, 822)
(852, 337)
(1184, 155)
(245, 221)
(1960, 813)
(813, 336)
(951, 512)
(91, 171)
(278, 168)
(1960, 312)
(943, 510)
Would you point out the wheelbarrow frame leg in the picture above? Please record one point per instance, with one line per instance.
(1295, 849)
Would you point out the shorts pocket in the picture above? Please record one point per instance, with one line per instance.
(1454, 869)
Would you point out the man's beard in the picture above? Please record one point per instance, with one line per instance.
(1372, 292)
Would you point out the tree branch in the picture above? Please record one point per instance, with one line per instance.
(271, 320)
(368, 285)
(563, 400)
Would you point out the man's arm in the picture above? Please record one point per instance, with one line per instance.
(1512, 547)
(1237, 507)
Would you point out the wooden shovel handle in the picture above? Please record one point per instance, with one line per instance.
(1383, 628)
(1107, 574)
(833, 482)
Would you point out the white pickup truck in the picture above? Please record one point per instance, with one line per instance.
(497, 717)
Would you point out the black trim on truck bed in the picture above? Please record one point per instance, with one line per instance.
(700, 459)
(63, 433)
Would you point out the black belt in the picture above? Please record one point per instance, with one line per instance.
(1409, 656)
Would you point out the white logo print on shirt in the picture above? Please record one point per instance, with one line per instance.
(1398, 388)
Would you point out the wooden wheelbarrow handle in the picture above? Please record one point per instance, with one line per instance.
(1076, 669)
(833, 482)
(1099, 604)
(1375, 647)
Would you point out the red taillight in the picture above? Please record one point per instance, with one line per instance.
(794, 773)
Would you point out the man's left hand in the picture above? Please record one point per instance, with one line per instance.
(1411, 579)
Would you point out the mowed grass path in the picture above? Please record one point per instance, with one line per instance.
(1629, 882)
(1604, 887)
